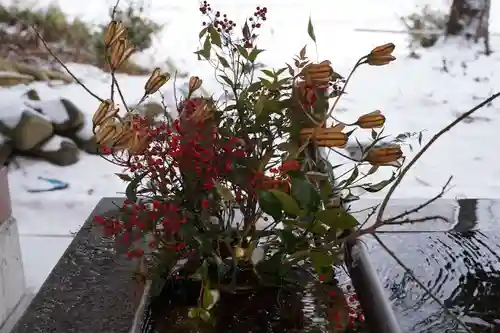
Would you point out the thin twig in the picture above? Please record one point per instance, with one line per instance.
(422, 285)
(405, 170)
(419, 207)
(115, 7)
(124, 101)
(411, 231)
(420, 219)
(77, 80)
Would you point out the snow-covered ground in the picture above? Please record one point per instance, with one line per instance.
(414, 95)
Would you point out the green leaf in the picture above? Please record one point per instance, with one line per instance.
(268, 73)
(131, 190)
(253, 54)
(254, 87)
(204, 315)
(325, 190)
(378, 186)
(320, 260)
(205, 51)
(319, 228)
(223, 61)
(372, 170)
(281, 71)
(336, 218)
(203, 32)
(259, 105)
(202, 272)
(246, 31)
(290, 206)
(270, 204)
(215, 37)
(193, 312)
(289, 240)
(227, 80)
(207, 298)
(310, 30)
(354, 175)
(305, 193)
(124, 176)
(242, 51)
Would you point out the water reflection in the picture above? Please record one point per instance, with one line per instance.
(459, 262)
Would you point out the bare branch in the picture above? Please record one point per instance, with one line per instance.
(419, 207)
(77, 80)
(411, 231)
(396, 183)
(115, 7)
(411, 221)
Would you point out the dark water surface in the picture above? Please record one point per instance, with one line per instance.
(459, 261)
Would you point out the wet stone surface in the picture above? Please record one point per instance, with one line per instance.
(458, 261)
(90, 290)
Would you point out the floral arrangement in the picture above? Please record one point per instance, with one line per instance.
(240, 182)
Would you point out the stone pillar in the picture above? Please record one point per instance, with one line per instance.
(12, 283)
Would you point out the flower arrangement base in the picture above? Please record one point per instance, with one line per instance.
(259, 309)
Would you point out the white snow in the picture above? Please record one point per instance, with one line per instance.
(11, 114)
(54, 109)
(53, 144)
(414, 95)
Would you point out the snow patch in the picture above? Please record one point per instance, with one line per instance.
(53, 144)
(54, 109)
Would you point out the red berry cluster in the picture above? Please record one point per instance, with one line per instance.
(205, 7)
(355, 312)
(278, 180)
(136, 232)
(259, 15)
(195, 148)
(221, 22)
(256, 22)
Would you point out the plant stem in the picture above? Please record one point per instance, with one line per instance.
(383, 206)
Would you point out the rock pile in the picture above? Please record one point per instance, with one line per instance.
(53, 130)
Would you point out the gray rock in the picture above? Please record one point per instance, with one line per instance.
(29, 131)
(57, 151)
(32, 95)
(8, 79)
(65, 116)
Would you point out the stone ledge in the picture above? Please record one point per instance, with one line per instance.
(12, 285)
(90, 289)
(5, 204)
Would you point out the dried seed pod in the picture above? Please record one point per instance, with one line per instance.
(108, 132)
(123, 140)
(138, 144)
(384, 155)
(156, 81)
(379, 60)
(194, 84)
(318, 74)
(105, 109)
(326, 137)
(114, 31)
(373, 119)
(383, 50)
(120, 51)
